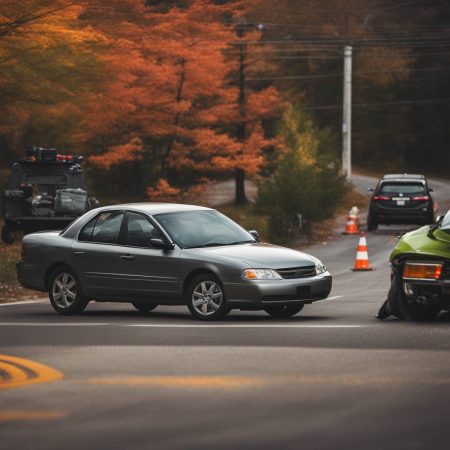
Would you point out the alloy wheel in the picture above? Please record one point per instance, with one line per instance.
(207, 298)
(64, 290)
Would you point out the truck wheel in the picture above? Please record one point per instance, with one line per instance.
(7, 238)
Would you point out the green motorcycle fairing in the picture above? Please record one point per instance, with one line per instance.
(423, 242)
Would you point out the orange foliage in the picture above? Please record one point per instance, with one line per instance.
(170, 98)
(163, 192)
(118, 154)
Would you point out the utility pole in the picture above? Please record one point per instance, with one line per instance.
(241, 126)
(347, 114)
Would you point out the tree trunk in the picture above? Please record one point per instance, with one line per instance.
(240, 198)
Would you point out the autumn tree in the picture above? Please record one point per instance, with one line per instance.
(47, 69)
(173, 107)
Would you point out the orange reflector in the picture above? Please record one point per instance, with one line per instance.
(250, 274)
(422, 271)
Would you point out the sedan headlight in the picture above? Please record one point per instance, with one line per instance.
(261, 274)
(320, 267)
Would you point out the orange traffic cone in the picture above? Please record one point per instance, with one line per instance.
(351, 227)
(362, 257)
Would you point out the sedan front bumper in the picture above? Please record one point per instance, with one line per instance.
(258, 294)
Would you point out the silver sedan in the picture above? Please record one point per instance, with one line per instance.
(152, 254)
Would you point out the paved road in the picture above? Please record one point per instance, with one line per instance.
(331, 378)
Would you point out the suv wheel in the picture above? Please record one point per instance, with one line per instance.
(372, 225)
(65, 292)
(284, 312)
(206, 299)
(144, 307)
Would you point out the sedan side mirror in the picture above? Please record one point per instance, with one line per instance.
(160, 243)
(440, 218)
(255, 234)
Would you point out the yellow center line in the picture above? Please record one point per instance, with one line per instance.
(23, 372)
(12, 415)
(222, 382)
(232, 382)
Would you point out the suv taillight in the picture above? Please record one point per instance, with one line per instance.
(421, 198)
(381, 197)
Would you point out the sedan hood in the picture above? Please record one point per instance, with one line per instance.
(263, 256)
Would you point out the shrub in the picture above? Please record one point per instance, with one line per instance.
(307, 180)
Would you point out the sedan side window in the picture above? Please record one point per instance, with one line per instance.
(107, 228)
(87, 231)
(104, 228)
(140, 230)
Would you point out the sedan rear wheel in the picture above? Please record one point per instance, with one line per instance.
(284, 312)
(65, 292)
(206, 299)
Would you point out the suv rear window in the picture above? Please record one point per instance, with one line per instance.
(402, 188)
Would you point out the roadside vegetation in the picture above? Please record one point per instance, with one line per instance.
(306, 188)
(10, 289)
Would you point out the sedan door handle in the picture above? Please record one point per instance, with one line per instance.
(80, 254)
(127, 257)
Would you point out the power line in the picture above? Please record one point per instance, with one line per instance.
(400, 102)
(339, 74)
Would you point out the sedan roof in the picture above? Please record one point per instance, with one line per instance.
(157, 208)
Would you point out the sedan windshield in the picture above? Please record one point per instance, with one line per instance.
(205, 228)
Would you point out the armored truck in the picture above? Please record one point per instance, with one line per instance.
(46, 191)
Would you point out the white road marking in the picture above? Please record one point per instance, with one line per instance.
(242, 325)
(174, 325)
(52, 324)
(335, 297)
(26, 302)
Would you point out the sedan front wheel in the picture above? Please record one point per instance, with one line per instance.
(206, 299)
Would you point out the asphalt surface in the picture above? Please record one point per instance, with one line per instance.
(332, 377)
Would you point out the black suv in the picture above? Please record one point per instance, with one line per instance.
(400, 199)
(46, 191)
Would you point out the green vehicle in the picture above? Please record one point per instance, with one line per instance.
(420, 287)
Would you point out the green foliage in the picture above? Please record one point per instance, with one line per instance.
(307, 180)
(248, 217)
